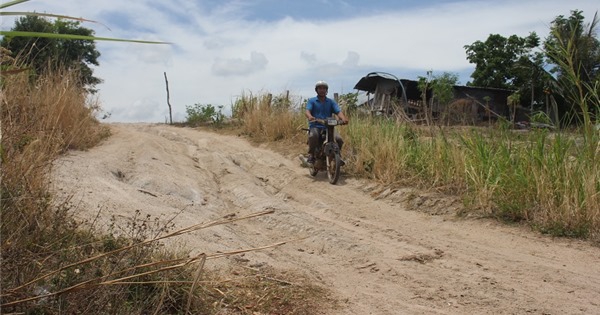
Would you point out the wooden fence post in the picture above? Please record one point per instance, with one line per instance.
(168, 101)
(269, 99)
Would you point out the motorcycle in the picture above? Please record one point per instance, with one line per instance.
(327, 154)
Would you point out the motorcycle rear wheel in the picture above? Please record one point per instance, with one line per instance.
(333, 167)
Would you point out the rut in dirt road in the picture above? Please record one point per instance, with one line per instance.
(376, 256)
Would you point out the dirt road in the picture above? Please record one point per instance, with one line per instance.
(377, 256)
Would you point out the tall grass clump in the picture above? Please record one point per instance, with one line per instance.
(40, 120)
(403, 153)
(267, 118)
(543, 178)
(42, 117)
(568, 188)
(569, 192)
(497, 174)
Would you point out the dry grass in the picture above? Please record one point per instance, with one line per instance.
(266, 119)
(252, 291)
(39, 121)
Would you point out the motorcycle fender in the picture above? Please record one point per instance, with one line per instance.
(331, 148)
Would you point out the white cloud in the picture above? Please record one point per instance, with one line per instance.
(351, 60)
(310, 59)
(238, 66)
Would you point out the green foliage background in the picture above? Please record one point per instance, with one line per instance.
(51, 54)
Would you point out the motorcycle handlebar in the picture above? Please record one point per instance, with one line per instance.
(327, 122)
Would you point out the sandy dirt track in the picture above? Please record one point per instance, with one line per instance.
(376, 255)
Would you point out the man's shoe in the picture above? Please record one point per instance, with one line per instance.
(310, 160)
(342, 162)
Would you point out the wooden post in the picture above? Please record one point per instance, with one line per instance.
(369, 105)
(547, 106)
(168, 101)
(336, 97)
(532, 96)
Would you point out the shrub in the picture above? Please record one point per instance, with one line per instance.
(199, 114)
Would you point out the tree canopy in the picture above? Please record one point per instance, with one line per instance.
(502, 62)
(521, 63)
(44, 54)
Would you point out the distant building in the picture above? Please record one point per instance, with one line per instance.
(469, 105)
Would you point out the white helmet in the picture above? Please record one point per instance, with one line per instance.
(321, 83)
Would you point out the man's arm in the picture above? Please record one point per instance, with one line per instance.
(342, 117)
(308, 111)
(339, 114)
(308, 115)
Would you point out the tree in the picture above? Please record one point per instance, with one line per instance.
(203, 113)
(442, 87)
(497, 60)
(509, 63)
(438, 88)
(349, 101)
(43, 53)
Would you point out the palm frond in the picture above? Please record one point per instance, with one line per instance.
(11, 3)
(70, 36)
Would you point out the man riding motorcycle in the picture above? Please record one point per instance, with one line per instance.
(321, 107)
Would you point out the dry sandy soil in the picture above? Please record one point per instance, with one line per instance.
(381, 252)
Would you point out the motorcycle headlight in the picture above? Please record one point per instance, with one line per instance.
(332, 122)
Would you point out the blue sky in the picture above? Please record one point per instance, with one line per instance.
(222, 49)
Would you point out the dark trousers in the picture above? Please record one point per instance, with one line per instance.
(313, 139)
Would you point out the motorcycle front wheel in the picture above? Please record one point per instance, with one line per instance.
(333, 167)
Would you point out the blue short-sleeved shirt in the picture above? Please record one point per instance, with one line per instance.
(321, 110)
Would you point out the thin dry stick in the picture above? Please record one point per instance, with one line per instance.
(269, 278)
(484, 106)
(195, 284)
(181, 263)
(147, 272)
(260, 300)
(176, 233)
(181, 281)
(276, 280)
(220, 255)
(157, 282)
